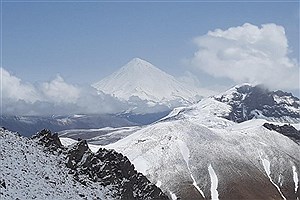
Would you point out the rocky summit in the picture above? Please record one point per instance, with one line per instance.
(248, 102)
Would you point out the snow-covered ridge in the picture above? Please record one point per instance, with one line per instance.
(191, 138)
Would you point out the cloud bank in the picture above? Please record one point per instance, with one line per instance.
(55, 97)
(247, 53)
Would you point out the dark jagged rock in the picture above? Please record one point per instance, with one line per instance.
(76, 153)
(249, 102)
(110, 168)
(286, 130)
(3, 184)
(47, 139)
(106, 167)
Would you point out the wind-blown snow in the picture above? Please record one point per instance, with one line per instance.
(295, 178)
(266, 164)
(214, 183)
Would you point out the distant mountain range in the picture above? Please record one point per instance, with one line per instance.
(29, 125)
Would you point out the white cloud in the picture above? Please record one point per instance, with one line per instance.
(14, 88)
(53, 97)
(190, 79)
(57, 97)
(248, 53)
(58, 90)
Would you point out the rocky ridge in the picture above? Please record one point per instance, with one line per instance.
(248, 102)
(286, 130)
(71, 173)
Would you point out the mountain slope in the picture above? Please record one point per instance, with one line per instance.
(177, 155)
(196, 152)
(41, 168)
(141, 79)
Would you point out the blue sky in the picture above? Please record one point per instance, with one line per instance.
(83, 42)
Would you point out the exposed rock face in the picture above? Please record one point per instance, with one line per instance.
(47, 139)
(286, 130)
(249, 102)
(106, 167)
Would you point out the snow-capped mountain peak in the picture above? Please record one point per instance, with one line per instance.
(138, 64)
(139, 78)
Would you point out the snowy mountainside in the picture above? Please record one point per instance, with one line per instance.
(192, 161)
(196, 152)
(41, 168)
(139, 79)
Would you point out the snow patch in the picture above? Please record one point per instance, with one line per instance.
(173, 196)
(184, 150)
(141, 164)
(67, 141)
(295, 178)
(173, 113)
(158, 184)
(280, 180)
(214, 183)
(197, 187)
(266, 164)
